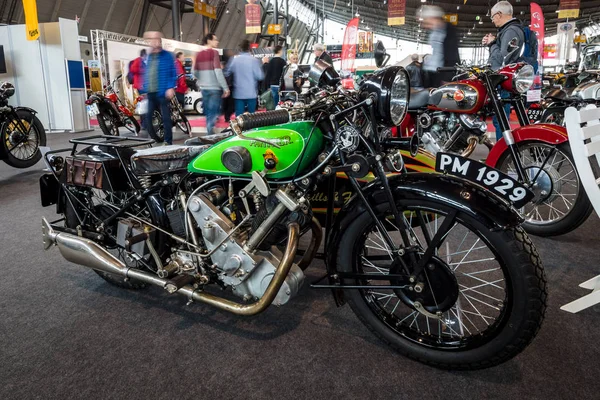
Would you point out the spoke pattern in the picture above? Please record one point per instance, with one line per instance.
(479, 275)
(560, 194)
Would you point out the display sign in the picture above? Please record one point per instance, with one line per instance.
(205, 9)
(549, 51)
(82, 38)
(274, 29)
(566, 33)
(396, 12)
(253, 17)
(534, 96)
(32, 29)
(93, 64)
(349, 46)
(568, 9)
(451, 18)
(580, 39)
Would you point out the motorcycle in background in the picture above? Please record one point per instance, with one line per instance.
(110, 111)
(21, 132)
(452, 118)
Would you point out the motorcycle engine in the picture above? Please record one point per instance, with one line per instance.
(247, 273)
(437, 127)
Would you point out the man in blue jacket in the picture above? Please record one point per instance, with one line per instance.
(159, 82)
(247, 72)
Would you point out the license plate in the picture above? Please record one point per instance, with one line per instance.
(93, 110)
(490, 178)
(534, 115)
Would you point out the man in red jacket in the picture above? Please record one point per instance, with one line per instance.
(138, 68)
(181, 85)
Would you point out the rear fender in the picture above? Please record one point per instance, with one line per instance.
(465, 196)
(546, 133)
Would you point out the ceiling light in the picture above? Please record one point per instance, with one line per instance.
(357, 14)
(468, 33)
(480, 22)
(419, 31)
(227, 10)
(420, 19)
(461, 40)
(458, 7)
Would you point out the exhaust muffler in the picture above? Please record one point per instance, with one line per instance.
(90, 254)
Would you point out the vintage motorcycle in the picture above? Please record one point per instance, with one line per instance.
(452, 118)
(110, 111)
(552, 107)
(21, 132)
(435, 265)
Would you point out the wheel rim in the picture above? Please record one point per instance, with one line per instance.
(157, 124)
(556, 187)
(22, 145)
(129, 125)
(480, 311)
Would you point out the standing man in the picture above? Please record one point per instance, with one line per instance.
(159, 82)
(274, 71)
(138, 68)
(247, 73)
(321, 54)
(444, 43)
(211, 80)
(505, 48)
(414, 71)
(181, 88)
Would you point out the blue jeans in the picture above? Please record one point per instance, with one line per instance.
(211, 103)
(156, 102)
(242, 104)
(504, 95)
(275, 93)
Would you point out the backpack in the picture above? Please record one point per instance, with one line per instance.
(530, 51)
(129, 73)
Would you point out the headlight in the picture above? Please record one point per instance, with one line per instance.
(523, 79)
(390, 88)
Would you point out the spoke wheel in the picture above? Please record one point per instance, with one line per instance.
(560, 204)
(22, 141)
(475, 286)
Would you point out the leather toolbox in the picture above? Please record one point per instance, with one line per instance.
(84, 172)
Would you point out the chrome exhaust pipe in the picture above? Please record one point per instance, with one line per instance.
(82, 251)
(88, 253)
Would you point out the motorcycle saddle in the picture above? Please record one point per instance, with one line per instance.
(209, 139)
(158, 160)
(418, 98)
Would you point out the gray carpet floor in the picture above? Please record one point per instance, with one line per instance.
(67, 334)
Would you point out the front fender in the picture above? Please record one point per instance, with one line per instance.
(480, 204)
(547, 133)
(31, 110)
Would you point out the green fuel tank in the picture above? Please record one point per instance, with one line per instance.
(299, 145)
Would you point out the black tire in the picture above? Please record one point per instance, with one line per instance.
(158, 133)
(71, 221)
(198, 107)
(184, 125)
(28, 153)
(578, 212)
(132, 125)
(111, 129)
(518, 322)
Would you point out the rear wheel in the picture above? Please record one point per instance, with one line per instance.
(22, 141)
(560, 204)
(107, 124)
(482, 295)
(198, 106)
(132, 125)
(76, 214)
(159, 129)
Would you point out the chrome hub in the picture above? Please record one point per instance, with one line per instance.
(546, 185)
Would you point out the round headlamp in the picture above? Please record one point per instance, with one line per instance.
(523, 78)
(390, 88)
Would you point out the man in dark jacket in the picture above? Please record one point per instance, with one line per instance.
(275, 68)
(159, 82)
(444, 43)
(321, 54)
(505, 48)
(414, 71)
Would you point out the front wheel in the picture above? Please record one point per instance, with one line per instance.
(132, 125)
(479, 301)
(159, 129)
(560, 204)
(22, 141)
(184, 125)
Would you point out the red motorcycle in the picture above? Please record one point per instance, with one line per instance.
(110, 111)
(452, 119)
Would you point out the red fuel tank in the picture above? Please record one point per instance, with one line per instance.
(465, 96)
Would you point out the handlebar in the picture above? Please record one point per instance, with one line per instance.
(258, 120)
